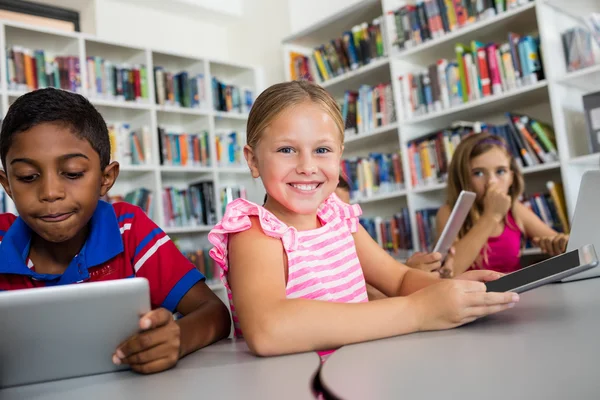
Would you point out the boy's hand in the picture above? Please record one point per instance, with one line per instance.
(552, 245)
(154, 349)
(428, 262)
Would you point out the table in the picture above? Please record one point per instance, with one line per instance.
(547, 347)
(225, 370)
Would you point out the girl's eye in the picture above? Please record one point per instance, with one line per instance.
(323, 150)
(501, 171)
(478, 174)
(285, 150)
(73, 175)
(27, 178)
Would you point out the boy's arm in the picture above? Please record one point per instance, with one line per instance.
(205, 319)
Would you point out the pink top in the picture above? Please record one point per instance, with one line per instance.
(504, 251)
(322, 262)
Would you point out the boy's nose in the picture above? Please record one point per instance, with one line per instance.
(51, 189)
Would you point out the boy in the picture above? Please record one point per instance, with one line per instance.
(55, 152)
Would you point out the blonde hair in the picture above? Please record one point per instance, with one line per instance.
(459, 175)
(281, 96)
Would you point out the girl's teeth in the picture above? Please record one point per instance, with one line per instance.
(305, 187)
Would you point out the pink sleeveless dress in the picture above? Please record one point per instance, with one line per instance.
(504, 251)
(322, 263)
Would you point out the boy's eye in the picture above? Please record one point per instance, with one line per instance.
(285, 150)
(27, 178)
(73, 175)
(323, 150)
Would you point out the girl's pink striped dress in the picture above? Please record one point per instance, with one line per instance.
(322, 263)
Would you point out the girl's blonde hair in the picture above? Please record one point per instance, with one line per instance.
(281, 96)
(459, 174)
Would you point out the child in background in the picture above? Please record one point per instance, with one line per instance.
(295, 269)
(492, 234)
(420, 260)
(55, 152)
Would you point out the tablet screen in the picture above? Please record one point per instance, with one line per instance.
(535, 272)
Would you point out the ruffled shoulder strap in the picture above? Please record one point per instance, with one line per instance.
(334, 207)
(237, 219)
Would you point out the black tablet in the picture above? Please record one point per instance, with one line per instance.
(547, 271)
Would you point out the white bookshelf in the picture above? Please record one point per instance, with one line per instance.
(555, 100)
(152, 176)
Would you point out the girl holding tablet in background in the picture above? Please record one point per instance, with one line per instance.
(492, 233)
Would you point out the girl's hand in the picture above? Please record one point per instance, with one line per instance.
(552, 245)
(484, 275)
(496, 203)
(156, 348)
(428, 262)
(453, 302)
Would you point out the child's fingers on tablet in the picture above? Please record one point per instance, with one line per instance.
(149, 355)
(491, 299)
(145, 340)
(156, 318)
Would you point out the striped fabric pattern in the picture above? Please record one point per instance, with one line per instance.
(322, 263)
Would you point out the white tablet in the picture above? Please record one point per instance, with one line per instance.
(455, 222)
(67, 331)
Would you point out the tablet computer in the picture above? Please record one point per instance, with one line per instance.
(547, 271)
(455, 222)
(59, 332)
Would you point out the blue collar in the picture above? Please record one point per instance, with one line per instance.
(103, 243)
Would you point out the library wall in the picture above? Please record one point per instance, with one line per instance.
(304, 13)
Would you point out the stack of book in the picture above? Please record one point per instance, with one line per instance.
(179, 89)
(230, 148)
(32, 69)
(393, 234)
(414, 24)
(426, 226)
(130, 147)
(231, 98)
(376, 174)
(359, 46)
(368, 108)
(192, 206)
(140, 197)
(230, 193)
(116, 81)
(184, 149)
(480, 70)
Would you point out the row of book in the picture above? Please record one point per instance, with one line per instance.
(229, 194)
(231, 98)
(203, 262)
(141, 197)
(414, 24)
(230, 148)
(480, 70)
(426, 228)
(191, 206)
(117, 81)
(528, 140)
(28, 69)
(373, 175)
(368, 108)
(184, 149)
(130, 146)
(357, 47)
(578, 48)
(183, 89)
(300, 67)
(550, 207)
(393, 234)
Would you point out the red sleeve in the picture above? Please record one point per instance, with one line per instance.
(155, 257)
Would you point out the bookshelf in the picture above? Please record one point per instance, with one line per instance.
(146, 113)
(555, 100)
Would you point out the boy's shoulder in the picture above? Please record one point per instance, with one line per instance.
(6, 221)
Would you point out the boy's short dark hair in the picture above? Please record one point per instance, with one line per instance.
(58, 106)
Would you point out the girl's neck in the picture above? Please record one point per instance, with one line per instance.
(302, 222)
